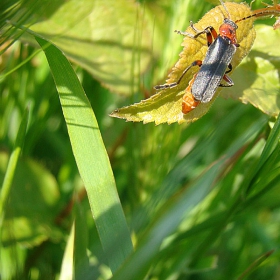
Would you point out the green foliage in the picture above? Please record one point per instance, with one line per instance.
(198, 201)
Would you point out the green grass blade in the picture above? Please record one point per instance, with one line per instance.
(82, 263)
(9, 175)
(66, 271)
(164, 224)
(91, 158)
(269, 157)
(255, 265)
(272, 142)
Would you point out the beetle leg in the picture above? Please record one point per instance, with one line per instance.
(210, 32)
(195, 63)
(229, 81)
(229, 68)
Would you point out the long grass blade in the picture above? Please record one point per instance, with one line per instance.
(91, 158)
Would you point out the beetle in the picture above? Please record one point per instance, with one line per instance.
(213, 69)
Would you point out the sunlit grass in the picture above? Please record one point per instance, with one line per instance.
(199, 200)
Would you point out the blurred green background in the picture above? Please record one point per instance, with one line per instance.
(197, 201)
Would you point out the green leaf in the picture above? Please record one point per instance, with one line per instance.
(91, 34)
(91, 158)
(257, 78)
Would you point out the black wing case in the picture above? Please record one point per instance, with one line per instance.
(217, 59)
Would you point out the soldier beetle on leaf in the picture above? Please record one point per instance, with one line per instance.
(213, 69)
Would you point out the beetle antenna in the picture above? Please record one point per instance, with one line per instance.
(225, 8)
